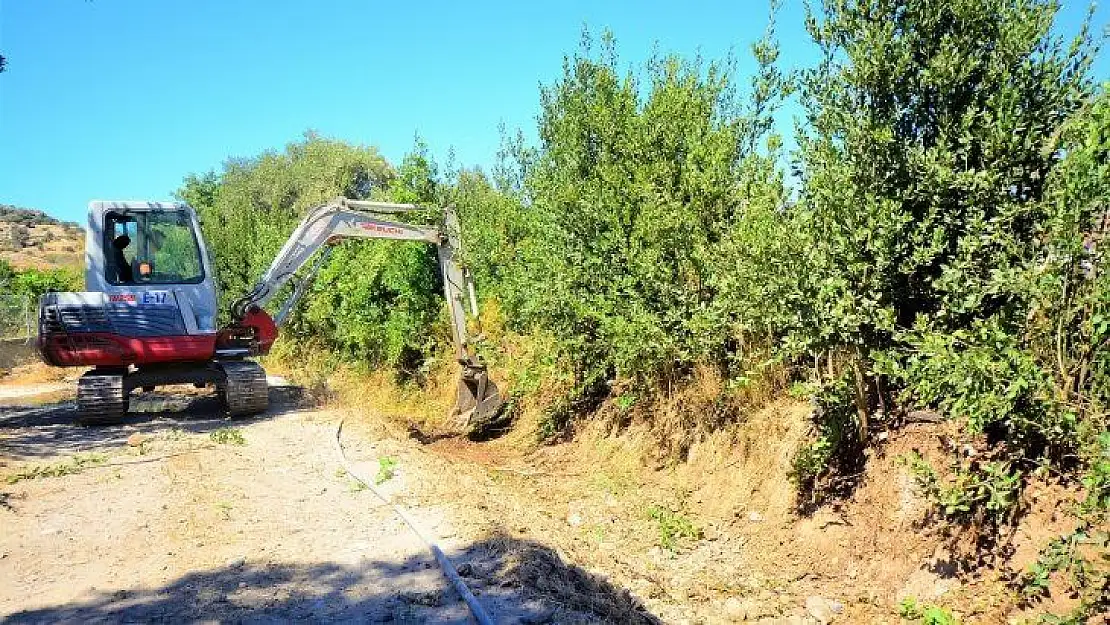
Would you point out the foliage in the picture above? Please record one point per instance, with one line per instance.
(1068, 558)
(612, 241)
(926, 159)
(228, 436)
(672, 527)
(975, 491)
(75, 465)
(822, 465)
(261, 199)
(32, 283)
(373, 301)
(387, 468)
(986, 376)
(927, 164)
(1097, 479)
(925, 614)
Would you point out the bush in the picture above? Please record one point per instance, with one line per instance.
(374, 301)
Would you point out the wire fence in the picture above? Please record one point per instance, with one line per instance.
(17, 317)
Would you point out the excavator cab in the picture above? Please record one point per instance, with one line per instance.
(147, 316)
(150, 293)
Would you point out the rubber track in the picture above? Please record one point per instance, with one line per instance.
(101, 399)
(245, 390)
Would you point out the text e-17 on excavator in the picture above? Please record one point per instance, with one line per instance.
(148, 315)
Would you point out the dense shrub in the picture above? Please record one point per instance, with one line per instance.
(925, 167)
(625, 205)
(31, 283)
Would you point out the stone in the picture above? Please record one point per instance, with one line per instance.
(925, 585)
(755, 517)
(736, 609)
(822, 609)
(137, 439)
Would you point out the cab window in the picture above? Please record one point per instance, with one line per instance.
(151, 247)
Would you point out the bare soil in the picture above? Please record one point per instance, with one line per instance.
(156, 520)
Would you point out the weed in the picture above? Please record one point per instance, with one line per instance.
(228, 436)
(597, 533)
(830, 462)
(625, 402)
(1064, 559)
(225, 509)
(612, 483)
(386, 470)
(925, 614)
(803, 390)
(989, 488)
(77, 464)
(672, 527)
(923, 473)
(1097, 479)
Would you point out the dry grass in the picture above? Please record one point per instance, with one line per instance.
(329, 381)
(15, 353)
(542, 570)
(27, 370)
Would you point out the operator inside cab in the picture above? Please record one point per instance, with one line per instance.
(124, 275)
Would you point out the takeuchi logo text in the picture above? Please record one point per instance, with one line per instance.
(121, 297)
(373, 227)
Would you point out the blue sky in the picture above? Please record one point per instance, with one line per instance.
(120, 99)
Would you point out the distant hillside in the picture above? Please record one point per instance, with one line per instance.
(31, 217)
(31, 238)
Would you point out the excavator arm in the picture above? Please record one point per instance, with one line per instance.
(479, 401)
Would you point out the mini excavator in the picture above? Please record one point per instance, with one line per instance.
(148, 316)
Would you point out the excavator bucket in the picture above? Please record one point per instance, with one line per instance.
(478, 403)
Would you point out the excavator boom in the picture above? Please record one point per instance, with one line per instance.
(479, 400)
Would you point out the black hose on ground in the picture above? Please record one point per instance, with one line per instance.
(445, 564)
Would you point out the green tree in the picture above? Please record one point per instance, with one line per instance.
(249, 209)
(373, 301)
(628, 198)
(924, 166)
(381, 301)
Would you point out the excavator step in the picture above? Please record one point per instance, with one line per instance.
(244, 390)
(101, 398)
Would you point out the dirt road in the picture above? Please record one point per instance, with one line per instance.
(182, 515)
